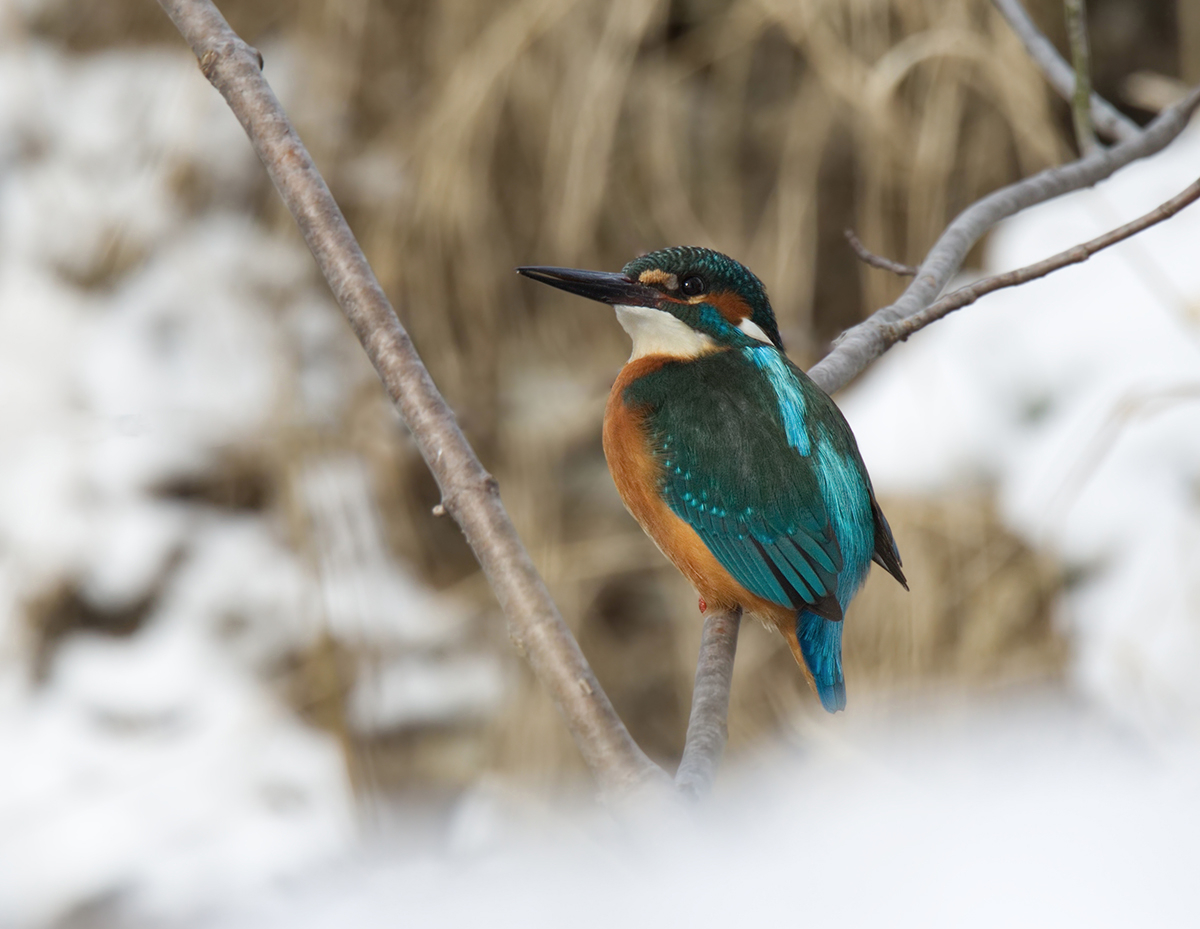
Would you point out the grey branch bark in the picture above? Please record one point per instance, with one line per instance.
(965, 296)
(1081, 96)
(707, 729)
(1108, 120)
(469, 493)
(859, 346)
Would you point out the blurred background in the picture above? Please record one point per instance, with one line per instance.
(235, 644)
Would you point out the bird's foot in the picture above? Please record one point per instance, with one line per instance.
(703, 606)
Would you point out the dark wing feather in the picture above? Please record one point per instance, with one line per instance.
(886, 554)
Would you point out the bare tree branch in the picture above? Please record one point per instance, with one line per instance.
(469, 493)
(1081, 96)
(965, 296)
(877, 261)
(1108, 120)
(859, 346)
(707, 730)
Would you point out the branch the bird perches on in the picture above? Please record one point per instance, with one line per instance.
(470, 494)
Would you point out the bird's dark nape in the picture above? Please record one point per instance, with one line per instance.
(821, 644)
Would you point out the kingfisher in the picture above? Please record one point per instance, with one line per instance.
(739, 467)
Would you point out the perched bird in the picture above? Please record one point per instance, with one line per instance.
(739, 467)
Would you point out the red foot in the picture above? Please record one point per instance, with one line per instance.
(703, 606)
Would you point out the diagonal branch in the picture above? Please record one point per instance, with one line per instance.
(965, 296)
(1109, 121)
(469, 493)
(707, 729)
(859, 346)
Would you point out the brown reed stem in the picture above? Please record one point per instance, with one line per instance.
(469, 493)
(1081, 96)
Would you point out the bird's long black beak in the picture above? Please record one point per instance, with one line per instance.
(605, 286)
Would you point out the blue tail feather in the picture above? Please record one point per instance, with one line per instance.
(821, 644)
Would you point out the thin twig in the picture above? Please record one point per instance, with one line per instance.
(859, 346)
(1081, 97)
(469, 493)
(877, 261)
(965, 296)
(1108, 120)
(707, 729)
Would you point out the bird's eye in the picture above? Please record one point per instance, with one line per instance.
(693, 286)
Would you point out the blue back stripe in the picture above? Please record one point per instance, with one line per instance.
(787, 393)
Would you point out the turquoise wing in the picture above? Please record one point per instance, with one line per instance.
(781, 549)
(736, 467)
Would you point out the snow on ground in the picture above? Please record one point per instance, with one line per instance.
(148, 328)
(1036, 815)
(157, 769)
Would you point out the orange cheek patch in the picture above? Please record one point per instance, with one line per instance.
(728, 304)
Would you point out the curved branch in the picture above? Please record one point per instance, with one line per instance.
(859, 346)
(707, 729)
(1108, 120)
(965, 296)
(469, 493)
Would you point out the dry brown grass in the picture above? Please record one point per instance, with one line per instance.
(582, 133)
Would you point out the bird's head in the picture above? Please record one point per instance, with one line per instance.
(681, 302)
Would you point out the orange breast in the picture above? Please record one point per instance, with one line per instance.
(636, 473)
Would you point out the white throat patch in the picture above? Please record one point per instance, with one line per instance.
(657, 332)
